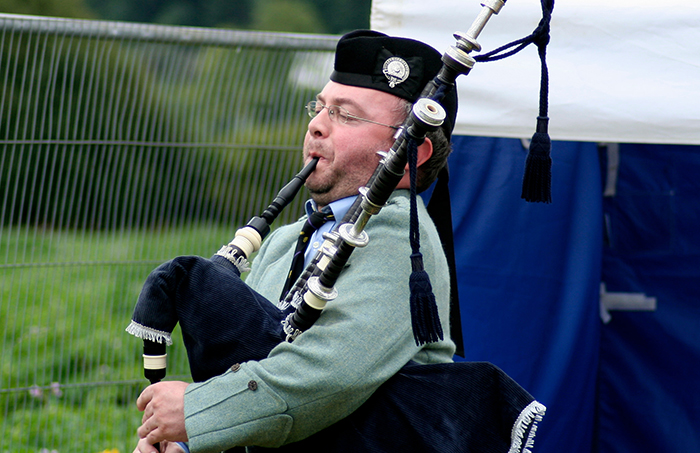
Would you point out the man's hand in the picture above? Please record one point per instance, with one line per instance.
(165, 447)
(163, 406)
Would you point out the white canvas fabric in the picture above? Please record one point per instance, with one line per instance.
(625, 71)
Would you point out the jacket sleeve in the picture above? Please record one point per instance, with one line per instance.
(361, 339)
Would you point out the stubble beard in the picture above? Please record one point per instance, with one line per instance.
(336, 183)
(326, 190)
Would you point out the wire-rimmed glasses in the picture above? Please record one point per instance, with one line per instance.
(338, 113)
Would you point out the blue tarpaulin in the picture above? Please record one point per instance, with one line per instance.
(649, 396)
(530, 279)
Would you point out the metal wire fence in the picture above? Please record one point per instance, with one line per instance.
(121, 146)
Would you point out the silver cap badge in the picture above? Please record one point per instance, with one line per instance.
(396, 70)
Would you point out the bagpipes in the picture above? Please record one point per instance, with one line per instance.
(480, 408)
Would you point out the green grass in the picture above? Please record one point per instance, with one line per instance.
(65, 300)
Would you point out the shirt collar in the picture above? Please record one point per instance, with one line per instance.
(338, 207)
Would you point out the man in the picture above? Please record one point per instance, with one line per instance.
(364, 336)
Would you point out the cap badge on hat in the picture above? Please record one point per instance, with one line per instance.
(396, 70)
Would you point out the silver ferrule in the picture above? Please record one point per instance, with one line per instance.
(467, 41)
(352, 237)
(494, 5)
(429, 112)
(460, 57)
(360, 223)
(490, 7)
(368, 206)
(330, 236)
(329, 249)
(368, 210)
(318, 290)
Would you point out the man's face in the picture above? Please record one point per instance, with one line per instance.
(348, 152)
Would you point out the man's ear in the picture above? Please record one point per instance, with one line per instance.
(425, 151)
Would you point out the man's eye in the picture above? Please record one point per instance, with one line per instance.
(343, 115)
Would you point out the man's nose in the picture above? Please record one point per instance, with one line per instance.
(319, 125)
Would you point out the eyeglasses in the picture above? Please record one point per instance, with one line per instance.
(338, 113)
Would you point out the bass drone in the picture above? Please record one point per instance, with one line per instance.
(460, 407)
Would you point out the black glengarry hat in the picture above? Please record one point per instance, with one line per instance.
(398, 66)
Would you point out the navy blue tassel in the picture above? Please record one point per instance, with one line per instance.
(425, 318)
(537, 182)
(424, 312)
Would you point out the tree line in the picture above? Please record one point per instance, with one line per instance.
(297, 16)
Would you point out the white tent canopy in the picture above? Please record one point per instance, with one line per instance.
(625, 71)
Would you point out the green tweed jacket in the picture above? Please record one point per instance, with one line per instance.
(362, 338)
